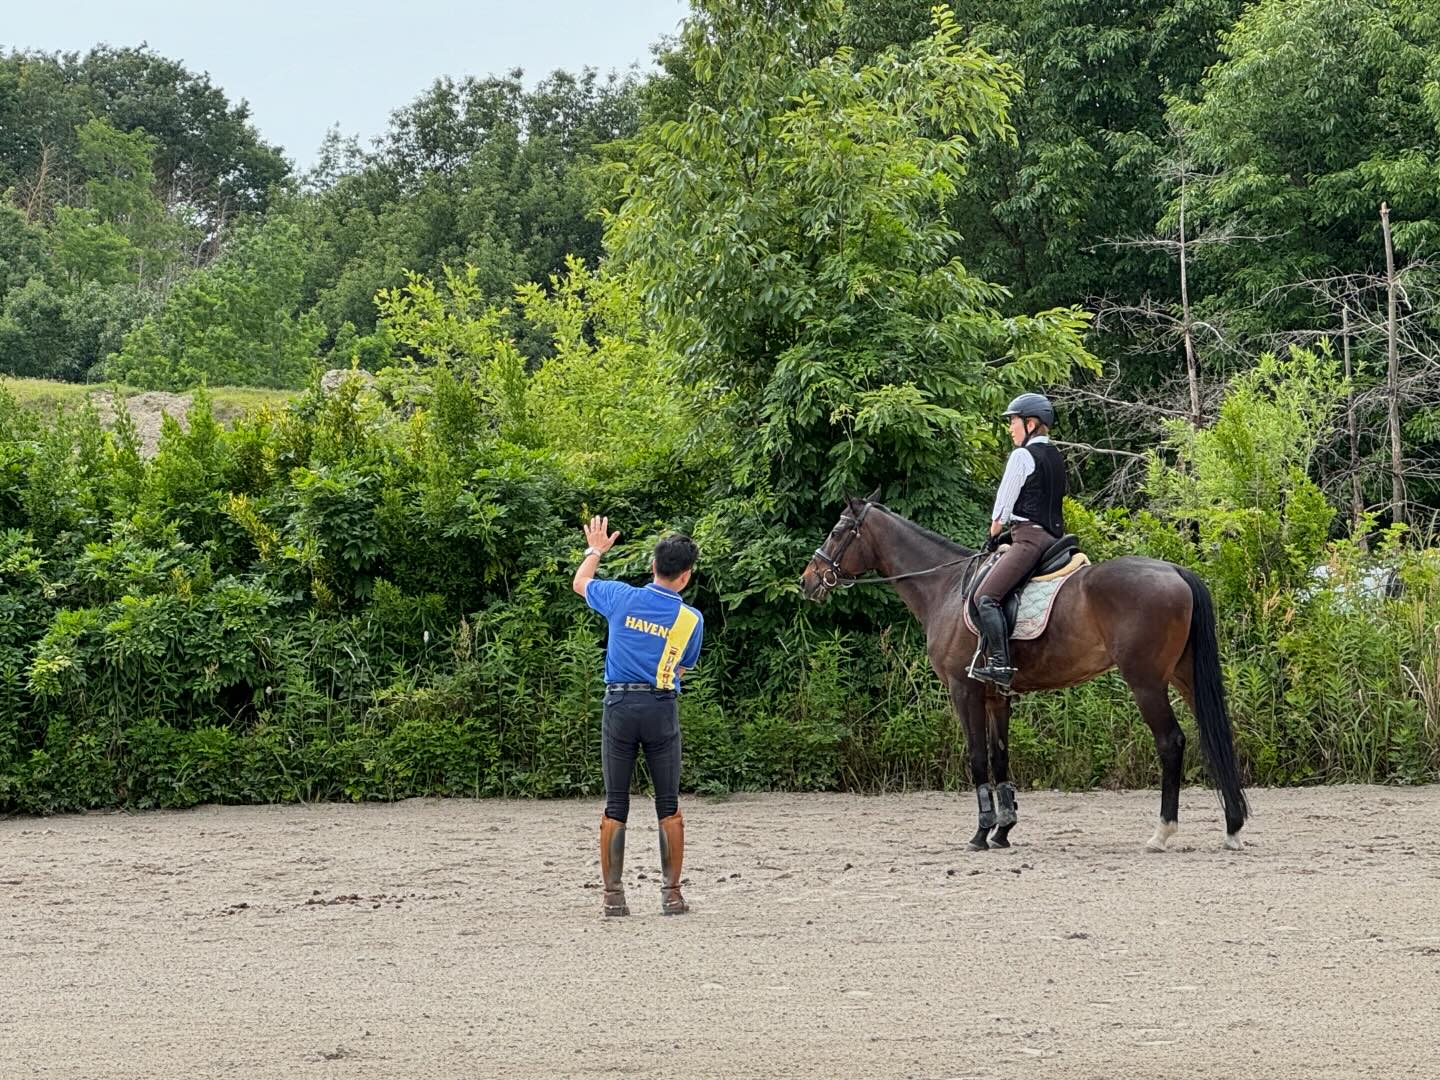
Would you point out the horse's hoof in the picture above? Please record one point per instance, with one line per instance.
(1000, 838)
(1163, 832)
(978, 843)
(1233, 842)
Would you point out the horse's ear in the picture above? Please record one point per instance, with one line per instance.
(849, 499)
(874, 495)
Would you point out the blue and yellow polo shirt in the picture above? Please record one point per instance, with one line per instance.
(652, 632)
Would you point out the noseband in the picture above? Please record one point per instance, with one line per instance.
(833, 575)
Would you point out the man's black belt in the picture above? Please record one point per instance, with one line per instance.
(630, 686)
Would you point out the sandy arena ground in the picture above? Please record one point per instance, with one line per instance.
(832, 936)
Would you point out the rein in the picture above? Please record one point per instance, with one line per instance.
(847, 582)
(835, 576)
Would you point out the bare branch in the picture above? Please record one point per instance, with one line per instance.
(1122, 405)
(1209, 238)
(1111, 451)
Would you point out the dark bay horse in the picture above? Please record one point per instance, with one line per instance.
(1153, 620)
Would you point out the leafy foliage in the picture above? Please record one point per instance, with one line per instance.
(205, 150)
(237, 322)
(833, 239)
(801, 195)
(1316, 114)
(479, 172)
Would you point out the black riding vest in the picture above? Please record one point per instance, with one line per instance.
(1041, 494)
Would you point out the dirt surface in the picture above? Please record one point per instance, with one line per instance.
(148, 410)
(832, 936)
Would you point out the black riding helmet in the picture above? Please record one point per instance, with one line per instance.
(1036, 405)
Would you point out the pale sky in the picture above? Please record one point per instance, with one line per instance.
(305, 67)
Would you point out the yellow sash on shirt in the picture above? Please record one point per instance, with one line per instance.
(675, 642)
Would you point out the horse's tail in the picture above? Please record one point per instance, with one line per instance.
(1211, 717)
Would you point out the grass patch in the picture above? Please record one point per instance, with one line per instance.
(43, 395)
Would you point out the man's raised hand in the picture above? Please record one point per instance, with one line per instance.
(598, 534)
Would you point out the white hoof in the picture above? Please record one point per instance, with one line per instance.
(1163, 832)
(1233, 842)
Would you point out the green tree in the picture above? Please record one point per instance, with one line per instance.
(40, 111)
(788, 235)
(1317, 112)
(238, 321)
(63, 312)
(87, 249)
(207, 155)
(476, 172)
(607, 397)
(22, 249)
(1247, 481)
(35, 337)
(605, 401)
(122, 232)
(1090, 127)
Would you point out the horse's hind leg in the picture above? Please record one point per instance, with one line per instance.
(1183, 679)
(968, 697)
(1154, 702)
(1006, 812)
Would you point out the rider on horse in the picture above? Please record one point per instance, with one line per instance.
(1030, 503)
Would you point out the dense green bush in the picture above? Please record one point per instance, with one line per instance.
(366, 594)
(1329, 679)
(346, 600)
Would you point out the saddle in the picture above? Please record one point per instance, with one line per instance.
(1061, 559)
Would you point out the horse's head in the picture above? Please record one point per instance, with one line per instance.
(844, 555)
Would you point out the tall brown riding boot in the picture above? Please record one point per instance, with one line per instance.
(612, 864)
(672, 855)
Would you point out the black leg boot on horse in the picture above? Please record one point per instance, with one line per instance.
(997, 711)
(612, 865)
(995, 636)
(1005, 815)
(985, 796)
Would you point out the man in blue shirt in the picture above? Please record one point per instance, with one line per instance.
(654, 639)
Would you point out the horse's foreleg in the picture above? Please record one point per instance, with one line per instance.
(998, 710)
(968, 697)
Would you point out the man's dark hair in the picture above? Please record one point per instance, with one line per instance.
(674, 555)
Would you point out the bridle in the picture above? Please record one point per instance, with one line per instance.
(835, 576)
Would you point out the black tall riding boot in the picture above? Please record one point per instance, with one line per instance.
(996, 637)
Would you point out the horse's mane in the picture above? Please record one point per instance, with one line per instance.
(929, 534)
